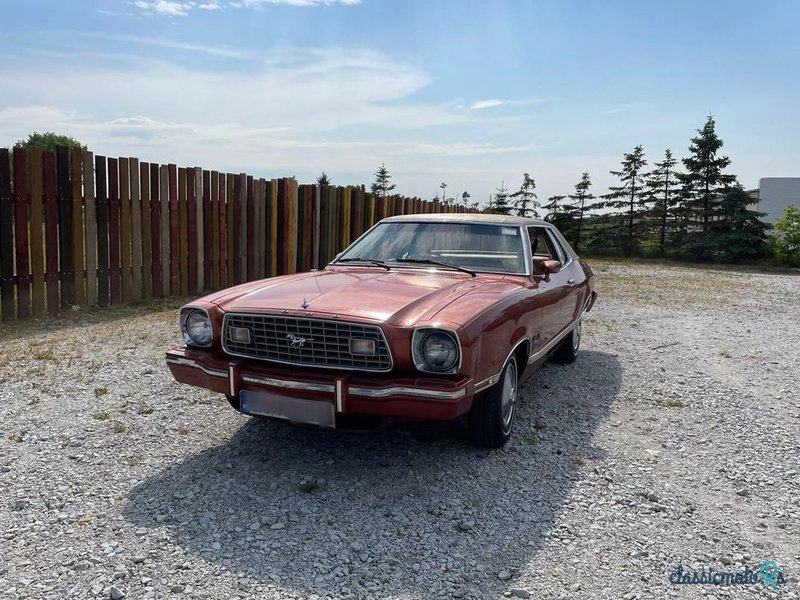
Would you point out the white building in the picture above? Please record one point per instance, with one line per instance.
(774, 194)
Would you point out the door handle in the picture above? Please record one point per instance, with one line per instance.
(570, 282)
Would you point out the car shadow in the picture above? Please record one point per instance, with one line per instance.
(319, 512)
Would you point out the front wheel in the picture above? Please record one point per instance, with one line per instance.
(492, 416)
(567, 350)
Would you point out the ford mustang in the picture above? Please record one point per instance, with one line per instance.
(424, 317)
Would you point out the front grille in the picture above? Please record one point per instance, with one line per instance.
(327, 343)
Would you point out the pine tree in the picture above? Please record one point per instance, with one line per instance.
(525, 197)
(704, 182)
(661, 184)
(579, 207)
(465, 196)
(553, 207)
(443, 185)
(628, 197)
(738, 233)
(382, 184)
(500, 205)
(323, 180)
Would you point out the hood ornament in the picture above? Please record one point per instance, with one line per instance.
(304, 304)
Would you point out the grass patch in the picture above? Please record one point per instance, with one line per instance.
(102, 416)
(577, 460)
(45, 354)
(133, 461)
(183, 431)
(120, 427)
(147, 410)
(674, 403)
(101, 391)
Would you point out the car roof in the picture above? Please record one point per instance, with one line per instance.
(465, 218)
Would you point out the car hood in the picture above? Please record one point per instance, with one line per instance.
(400, 296)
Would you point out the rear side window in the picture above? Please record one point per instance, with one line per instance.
(542, 248)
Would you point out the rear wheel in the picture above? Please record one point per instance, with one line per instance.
(492, 416)
(234, 402)
(567, 350)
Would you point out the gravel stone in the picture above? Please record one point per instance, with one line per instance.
(628, 461)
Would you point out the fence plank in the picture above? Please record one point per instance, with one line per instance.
(64, 191)
(50, 230)
(214, 241)
(183, 232)
(78, 259)
(90, 216)
(147, 232)
(114, 231)
(155, 231)
(136, 231)
(125, 229)
(272, 238)
(223, 236)
(164, 230)
(174, 231)
(20, 197)
(205, 233)
(191, 230)
(231, 228)
(250, 230)
(102, 230)
(9, 310)
(200, 225)
(36, 232)
(243, 220)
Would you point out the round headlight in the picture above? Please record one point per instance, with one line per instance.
(439, 351)
(198, 328)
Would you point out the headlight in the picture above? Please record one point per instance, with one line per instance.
(196, 327)
(435, 350)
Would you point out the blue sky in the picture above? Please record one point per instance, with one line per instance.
(466, 92)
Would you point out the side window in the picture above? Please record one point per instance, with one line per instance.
(542, 248)
(563, 257)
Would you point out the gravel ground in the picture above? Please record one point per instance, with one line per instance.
(674, 438)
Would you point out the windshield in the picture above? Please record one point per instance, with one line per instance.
(472, 246)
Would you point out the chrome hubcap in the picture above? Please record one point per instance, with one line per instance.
(576, 336)
(509, 395)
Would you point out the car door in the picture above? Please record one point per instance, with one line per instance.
(554, 291)
(573, 276)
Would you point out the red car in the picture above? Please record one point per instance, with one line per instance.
(424, 317)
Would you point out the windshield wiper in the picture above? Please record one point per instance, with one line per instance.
(428, 261)
(378, 263)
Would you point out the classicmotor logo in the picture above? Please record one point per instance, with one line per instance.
(767, 573)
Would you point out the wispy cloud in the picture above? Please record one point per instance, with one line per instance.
(223, 51)
(491, 103)
(177, 8)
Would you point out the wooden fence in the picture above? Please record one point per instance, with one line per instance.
(79, 229)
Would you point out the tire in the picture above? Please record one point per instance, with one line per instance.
(492, 416)
(234, 402)
(567, 351)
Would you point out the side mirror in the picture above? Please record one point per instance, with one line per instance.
(550, 266)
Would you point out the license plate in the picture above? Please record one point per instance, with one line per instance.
(266, 404)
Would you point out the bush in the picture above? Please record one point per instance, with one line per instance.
(786, 241)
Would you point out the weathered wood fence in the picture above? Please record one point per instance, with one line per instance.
(79, 229)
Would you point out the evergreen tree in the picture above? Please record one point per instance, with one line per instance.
(465, 196)
(703, 185)
(738, 233)
(580, 206)
(443, 185)
(628, 197)
(553, 207)
(661, 184)
(500, 205)
(382, 184)
(525, 198)
(323, 180)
